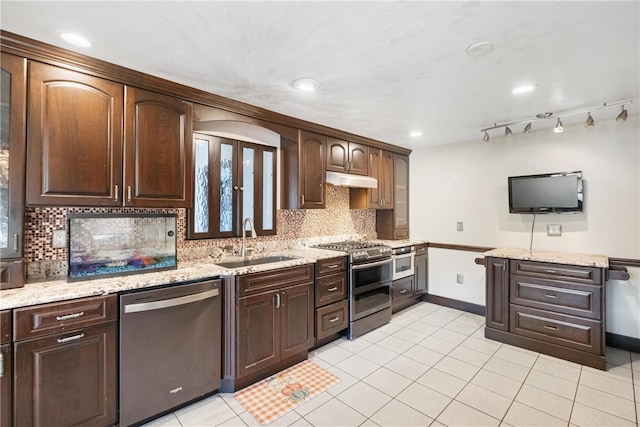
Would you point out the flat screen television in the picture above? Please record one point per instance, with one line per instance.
(559, 192)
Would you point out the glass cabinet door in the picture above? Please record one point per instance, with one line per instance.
(12, 155)
(401, 189)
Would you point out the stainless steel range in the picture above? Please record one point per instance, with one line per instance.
(370, 272)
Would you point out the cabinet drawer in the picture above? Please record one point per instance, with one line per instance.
(400, 234)
(568, 298)
(254, 283)
(331, 319)
(331, 265)
(331, 288)
(46, 319)
(402, 288)
(572, 273)
(566, 331)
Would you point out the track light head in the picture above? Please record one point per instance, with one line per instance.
(589, 122)
(622, 116)
(507, 131)
(527, 128)
(485, 138)
(558, 128)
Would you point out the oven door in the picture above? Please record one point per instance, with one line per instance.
(369, 288)
(403, 265)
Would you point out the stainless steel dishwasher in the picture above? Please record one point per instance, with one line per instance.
(170, 348)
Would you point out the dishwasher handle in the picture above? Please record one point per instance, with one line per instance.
(171, 302)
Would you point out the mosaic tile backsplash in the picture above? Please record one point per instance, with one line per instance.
(296, 227)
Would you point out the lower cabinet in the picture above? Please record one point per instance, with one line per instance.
(269, 324)
(6, 369)
(421, 270)
(331, 306)
(65, 363)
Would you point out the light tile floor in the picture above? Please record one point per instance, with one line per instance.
(432, 366)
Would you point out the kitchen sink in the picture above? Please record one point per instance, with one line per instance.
(255, 261)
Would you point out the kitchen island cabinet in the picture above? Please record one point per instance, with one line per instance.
(65, 363)
(268, 323)
(77, 154)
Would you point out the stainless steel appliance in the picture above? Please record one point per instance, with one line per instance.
(370, 275)
(170, 348)
(403, 261)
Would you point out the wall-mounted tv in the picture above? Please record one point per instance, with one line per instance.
(559, 192)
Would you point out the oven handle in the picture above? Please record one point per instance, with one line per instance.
(370, 264)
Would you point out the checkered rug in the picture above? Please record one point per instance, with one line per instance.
(273, 397)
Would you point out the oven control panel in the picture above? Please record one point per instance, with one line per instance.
(371, 253)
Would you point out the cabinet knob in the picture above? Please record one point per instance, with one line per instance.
(235, 187)
(241, 188)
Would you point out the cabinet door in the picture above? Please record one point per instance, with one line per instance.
(296, 319)
(67, 379)
(375, 171)
(312, 171)
(421, 274)
(158, 144)
(6, 372)
(259, 338)
(337, 155)
(386, 176)
(401, 193)
(12, 152)
(358, 159)
(74, 148)
(497, 303)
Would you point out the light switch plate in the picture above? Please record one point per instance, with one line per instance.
(554, 230)
(59, 239)
(460, 278)
(459, 226)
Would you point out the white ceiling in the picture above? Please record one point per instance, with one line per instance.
(385, 68)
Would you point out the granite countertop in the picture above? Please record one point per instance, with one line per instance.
(61, 290)
(588, 260)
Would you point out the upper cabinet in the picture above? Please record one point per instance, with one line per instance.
(233, 180)
(303, 171)
(394, 224)
(347, 157)
(381, 168)
(12, 170)
(76, 153)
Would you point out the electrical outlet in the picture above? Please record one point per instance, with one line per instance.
(460, 278)
(554, 230)
(284, 227)
(459, 226)
(59, 239)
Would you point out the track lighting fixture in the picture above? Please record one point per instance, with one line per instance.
(623, 115)
(559, 127)
(589, 122)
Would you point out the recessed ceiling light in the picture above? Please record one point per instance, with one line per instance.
(524, 89)
(415, 134)
(305, 84)
(479, 48)
(75, 40)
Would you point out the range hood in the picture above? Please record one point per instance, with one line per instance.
(347, 180)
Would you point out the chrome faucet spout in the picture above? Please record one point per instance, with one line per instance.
(249, 220)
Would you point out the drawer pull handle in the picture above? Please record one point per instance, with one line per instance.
(73, 338)
(333, 266)
(334, 320)
(551, 328)
(1, 365)
(403, 291)
(335, 288)
(551, 296)
(551, 271)
(69, 316)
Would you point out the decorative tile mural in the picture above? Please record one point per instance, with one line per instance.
(296, 227)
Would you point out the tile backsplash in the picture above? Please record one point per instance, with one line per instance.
(295, 228)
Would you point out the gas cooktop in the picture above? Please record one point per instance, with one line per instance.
(359, 251)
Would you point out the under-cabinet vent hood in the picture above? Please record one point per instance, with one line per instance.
(347, 180)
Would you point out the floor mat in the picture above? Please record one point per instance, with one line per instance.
(273, 397)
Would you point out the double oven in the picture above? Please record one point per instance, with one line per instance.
(370, 276)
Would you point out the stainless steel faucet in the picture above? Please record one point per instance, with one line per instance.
(244, 234)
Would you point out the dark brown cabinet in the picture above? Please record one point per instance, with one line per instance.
(347, 157)
(556, 309)
(78, 155)
(12, 170)
(65, 363)
(401, 290)
(6, 370)
(421, 270)
(270, 324)
(303, 171)
(394, 224)
(381, 168)
(331, 308)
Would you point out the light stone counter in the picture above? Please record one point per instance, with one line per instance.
(61, 290)
(589, 260)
